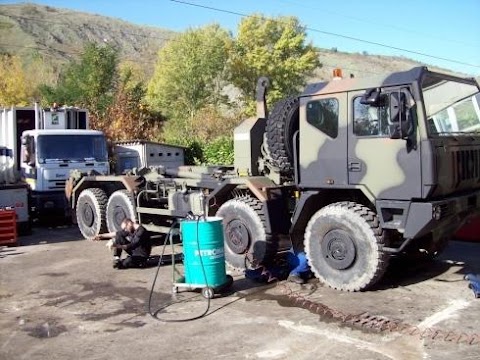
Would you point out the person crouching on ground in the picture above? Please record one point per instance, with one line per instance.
(134, 239)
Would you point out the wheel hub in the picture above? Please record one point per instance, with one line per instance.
(237, 236)
(338, 249)
(88, 215)
(118, 216)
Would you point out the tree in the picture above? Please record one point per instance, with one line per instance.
(188, 74)
(88, 83)
(13, 84)
(129, 116)
(275, 48)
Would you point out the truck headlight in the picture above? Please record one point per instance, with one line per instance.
(437, 212)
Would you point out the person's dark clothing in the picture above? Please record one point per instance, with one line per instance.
(138, 244)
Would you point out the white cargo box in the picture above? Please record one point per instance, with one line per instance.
(139, 153)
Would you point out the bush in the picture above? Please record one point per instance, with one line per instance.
(219, 151)
(194, 153)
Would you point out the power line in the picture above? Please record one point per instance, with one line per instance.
(142, 60)
(376, 23)
(332, 34)
(245, 15)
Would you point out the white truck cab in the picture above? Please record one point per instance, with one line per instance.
(45, 145)
(48, 156)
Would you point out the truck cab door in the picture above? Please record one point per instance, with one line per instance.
(323, 141)
(386, 168)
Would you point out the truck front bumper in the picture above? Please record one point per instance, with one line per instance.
(50, 203)
(442, 218)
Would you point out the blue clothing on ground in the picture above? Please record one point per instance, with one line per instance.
(297, 262)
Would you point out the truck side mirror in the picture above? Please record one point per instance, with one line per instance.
(373, 97)
(401, 119)
(28, 150)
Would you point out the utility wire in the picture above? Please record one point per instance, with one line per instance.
(376, 23)
(331, 34)
(245, 15)
(137, 60)
(324, 64)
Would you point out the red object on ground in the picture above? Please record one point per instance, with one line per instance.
(470, 231)
(8, 227)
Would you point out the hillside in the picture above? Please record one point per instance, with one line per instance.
(57, 35)
(363, 65)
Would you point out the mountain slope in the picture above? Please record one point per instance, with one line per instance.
(58, 35)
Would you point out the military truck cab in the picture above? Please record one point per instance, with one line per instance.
(395, 160)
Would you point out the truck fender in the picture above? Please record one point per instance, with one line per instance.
(306, 206)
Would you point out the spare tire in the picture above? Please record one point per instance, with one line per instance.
(282, 123)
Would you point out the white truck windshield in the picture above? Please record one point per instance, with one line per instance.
(63, 148)
(451, 107)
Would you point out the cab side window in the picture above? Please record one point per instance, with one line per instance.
(369, 120)
(323, 114)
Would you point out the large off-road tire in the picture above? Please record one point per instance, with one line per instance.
(246, 241)
(90, 211)
(282, 123)
(343, 244)
(120, 206)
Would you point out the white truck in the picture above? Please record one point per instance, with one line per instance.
(14, 193)
(40, 148)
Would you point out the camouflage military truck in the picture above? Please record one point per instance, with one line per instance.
(353, 171)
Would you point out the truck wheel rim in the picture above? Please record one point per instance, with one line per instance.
(338, 249)
(237, 236)
(88, 215)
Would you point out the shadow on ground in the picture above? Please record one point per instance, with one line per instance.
(50, 234)
(404, 272)
(9, 251)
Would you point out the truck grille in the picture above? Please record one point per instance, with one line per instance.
(56, 184)
(466, 165)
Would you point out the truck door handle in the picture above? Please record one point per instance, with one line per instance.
(354, 166)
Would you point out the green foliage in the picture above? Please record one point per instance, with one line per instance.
(219, 151)
(194, 153)
(188, 73)
(275, 48)
(128, 117)
(89, 83)
(13, 84)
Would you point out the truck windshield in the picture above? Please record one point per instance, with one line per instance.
(452, 107)
(51, 148)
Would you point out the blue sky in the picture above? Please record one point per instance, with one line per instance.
(444, 28)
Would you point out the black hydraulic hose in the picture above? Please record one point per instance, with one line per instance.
(154, 314)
